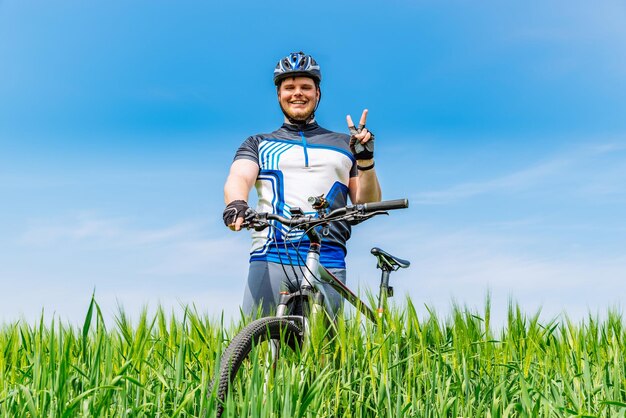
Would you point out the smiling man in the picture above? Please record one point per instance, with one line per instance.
(299, 160)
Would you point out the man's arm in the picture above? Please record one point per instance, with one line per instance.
(365, 187)
(242, 176)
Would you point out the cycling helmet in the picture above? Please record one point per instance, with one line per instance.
(297, 64)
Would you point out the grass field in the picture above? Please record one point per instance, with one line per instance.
(457, 366)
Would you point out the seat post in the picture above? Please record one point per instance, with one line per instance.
(385, 291)
(387, 263)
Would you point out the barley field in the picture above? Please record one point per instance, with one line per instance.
(454, 366)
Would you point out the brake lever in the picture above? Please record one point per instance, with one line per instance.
(357, 218)
(260, 226)
(252, 220)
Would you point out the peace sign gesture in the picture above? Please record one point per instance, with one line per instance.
(361, 140)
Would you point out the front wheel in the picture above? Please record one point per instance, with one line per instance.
(286, 330)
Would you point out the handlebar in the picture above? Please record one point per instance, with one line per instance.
(356, 212)
(386, 205)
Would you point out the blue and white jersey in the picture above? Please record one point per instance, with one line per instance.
(294, 164)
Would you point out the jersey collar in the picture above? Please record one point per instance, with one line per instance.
(300, 128)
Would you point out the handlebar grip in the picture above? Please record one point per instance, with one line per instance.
(386, 205)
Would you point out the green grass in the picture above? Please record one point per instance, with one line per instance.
(457, 366)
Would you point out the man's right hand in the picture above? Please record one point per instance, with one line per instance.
(234, 214)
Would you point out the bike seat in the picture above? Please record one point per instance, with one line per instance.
(387, 261)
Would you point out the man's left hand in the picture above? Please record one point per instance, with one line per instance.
(361, 139)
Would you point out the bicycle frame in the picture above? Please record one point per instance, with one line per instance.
(308, 289)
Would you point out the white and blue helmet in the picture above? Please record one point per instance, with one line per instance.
(297, 64)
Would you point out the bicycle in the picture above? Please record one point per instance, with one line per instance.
(296, 310)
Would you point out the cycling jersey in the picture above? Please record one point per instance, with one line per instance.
(296, 163)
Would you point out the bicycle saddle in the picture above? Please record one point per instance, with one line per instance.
(387, 261)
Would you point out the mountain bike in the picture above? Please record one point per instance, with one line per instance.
(296, 311)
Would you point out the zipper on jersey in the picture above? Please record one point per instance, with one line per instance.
(306, 153)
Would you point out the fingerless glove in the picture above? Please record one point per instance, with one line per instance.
(361, 151)
(234, 210)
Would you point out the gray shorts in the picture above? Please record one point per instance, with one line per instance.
(266, 280)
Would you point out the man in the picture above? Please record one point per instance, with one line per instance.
(299, 160)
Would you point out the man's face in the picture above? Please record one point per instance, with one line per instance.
(298, 97)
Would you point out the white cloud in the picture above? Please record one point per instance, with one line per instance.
(185, 248)
(590, 162)
(214, 256)
(511, 182)
(69, 303)
(86, 227)
(191, 267)
(60, 263)
(465, 266)
(608, 147)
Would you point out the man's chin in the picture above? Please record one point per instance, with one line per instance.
(300, 117)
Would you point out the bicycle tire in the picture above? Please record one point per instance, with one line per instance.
(264, 329)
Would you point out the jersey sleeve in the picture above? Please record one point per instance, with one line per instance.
(249, 150)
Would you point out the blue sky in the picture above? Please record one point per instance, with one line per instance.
(503, 124)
